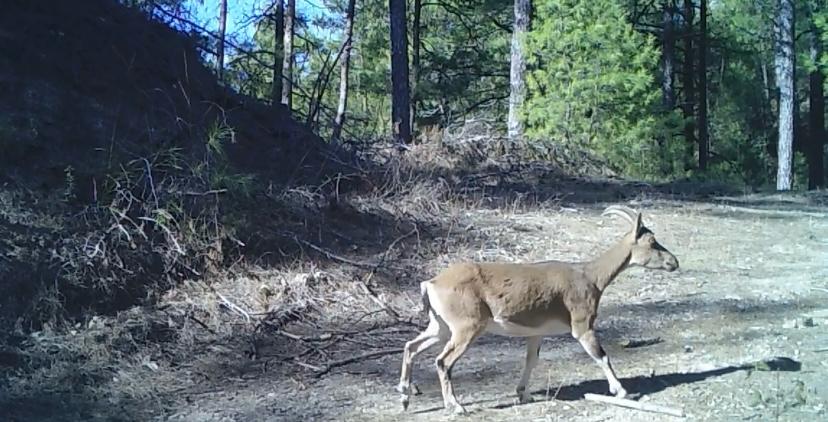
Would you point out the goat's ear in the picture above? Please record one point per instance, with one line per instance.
(638, 224)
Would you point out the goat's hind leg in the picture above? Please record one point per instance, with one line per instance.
(461, 338)
(433, 334)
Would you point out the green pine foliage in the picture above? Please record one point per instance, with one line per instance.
(591, 83)
(593, 78)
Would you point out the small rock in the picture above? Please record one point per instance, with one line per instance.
(791, 323)
(808, 322)
(688, 348)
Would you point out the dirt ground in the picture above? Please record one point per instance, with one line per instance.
(752, 286)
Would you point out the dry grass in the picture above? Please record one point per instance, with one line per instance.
(342, 282)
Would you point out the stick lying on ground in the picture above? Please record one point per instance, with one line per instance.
(647, 407)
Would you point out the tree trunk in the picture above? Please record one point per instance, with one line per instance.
(668, 96)
(816, 116)
(689, 82)
(785, 64)
(287, 62)
(668, 43)
(278, 56)
(415, 60)
(222, 34)
(339, 120)
(704, 139)
(400, 95)
(517, 77)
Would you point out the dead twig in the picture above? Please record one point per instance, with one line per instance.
(202, 324)
(336, 257)
(342, 362)
(233, 307)
(205, 193)
(365, 284)
(297, 337)
(373, 296)
(795, 213)
(647, 407)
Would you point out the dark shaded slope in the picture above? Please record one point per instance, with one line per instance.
(111, 131)
(90, 84)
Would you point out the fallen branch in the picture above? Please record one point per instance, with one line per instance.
(342, 362)
(339, 258)
(759, 211)
(233, 307)
(202, 324)
(297, 337)
(205, 193)
(373, 296)
(647, 407)
(365, 284)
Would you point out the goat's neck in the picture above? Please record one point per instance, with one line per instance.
(606, 267)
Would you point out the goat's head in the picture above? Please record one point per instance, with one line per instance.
(645, 251)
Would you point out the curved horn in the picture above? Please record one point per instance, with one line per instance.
(624, 212)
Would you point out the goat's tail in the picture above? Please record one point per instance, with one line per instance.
(424, 295)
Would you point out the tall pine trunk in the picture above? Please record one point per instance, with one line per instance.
(222, 34)
(704, 139)
(816, 116)
(668, 95)
(344, 66)
(785, 64)
(668, 44)
(400, 95)
(287, 62)
(278, 56)
(689, 81)
(415, 60)
(517, 77)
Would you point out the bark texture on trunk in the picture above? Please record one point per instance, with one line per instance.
(704, 138)
(278, 56)
(689, 81)
(415, 60)
(785, 64)
(517, 77)
(344, 68)
(222, 34)
(668, 43)
(400, 95)
(287, 63)
(816, 117)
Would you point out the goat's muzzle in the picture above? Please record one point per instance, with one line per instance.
(671, 264)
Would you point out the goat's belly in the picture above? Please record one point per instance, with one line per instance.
(504, 327)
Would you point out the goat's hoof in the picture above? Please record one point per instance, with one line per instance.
(415, 390)
(404, 402)
(456, 409)
(525, 398)
(619, 392)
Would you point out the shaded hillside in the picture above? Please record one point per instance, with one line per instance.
(123, 159)
(93, 83)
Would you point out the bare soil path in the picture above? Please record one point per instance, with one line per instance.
(753, 285)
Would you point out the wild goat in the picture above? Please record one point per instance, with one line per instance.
(526, 300)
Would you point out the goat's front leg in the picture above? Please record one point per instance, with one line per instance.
(532, 354)
(590, 343)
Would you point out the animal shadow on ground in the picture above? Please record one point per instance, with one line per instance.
(641, 386)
